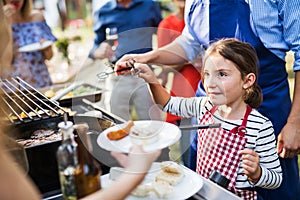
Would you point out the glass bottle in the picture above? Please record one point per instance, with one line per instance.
(88, 172)
(67, 161)
(112, 40)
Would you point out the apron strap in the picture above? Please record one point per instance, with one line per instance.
(248, 111)
(213, 110)
(240, 130)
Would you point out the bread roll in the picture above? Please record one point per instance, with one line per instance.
(171, 167)
(141, 191)
(162, 189)
(170, 178)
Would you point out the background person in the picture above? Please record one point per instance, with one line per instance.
(250, 21)
(136, 21)
(136, 163)
(29, 26)
(229, 76)
(186, 76)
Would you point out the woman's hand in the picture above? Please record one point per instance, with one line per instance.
(137, 161)
(47, 52)
(9, 10)
(250, 164)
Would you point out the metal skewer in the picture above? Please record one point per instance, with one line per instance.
(199, 126)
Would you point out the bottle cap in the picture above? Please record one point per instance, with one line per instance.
(65, 125)
(218, 178)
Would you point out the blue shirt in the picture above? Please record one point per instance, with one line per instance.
(276, 22)
(136, 25)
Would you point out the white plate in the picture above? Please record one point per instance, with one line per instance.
(191, 184)
(168, 135)
(35, 46)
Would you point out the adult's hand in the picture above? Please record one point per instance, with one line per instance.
(47, 52)
(123, 63)
(288, 144)
(137, 161)
(104, 51)
(9, 10)
(137, 58)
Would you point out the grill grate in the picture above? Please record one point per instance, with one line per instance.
(24, 103)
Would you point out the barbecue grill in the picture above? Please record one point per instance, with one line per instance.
(28, 111)
(25, 103)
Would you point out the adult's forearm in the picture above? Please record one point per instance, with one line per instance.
(294, 115)
(171, 54)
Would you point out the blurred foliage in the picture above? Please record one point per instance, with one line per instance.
(63, 43)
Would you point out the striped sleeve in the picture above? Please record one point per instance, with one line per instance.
(184, 107)
(271, 176)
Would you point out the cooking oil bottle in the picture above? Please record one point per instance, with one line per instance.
(88, 173)
(67, 161)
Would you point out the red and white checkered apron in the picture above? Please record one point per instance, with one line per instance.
(219, 150)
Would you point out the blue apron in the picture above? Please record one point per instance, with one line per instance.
(231, 18)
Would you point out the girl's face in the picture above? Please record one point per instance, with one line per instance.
(222, 81)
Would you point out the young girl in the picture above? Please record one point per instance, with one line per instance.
(243, 149)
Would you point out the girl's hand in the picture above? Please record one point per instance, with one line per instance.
(250, 164)
(121, 63)
(146, 73)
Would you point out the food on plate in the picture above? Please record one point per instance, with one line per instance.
(142, 190)
(143, 135)
(171, 173)
(171, 167)
(170, 178)
(162, 189)
(162, 186)
(120, 133)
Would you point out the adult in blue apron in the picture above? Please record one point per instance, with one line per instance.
(232, 18)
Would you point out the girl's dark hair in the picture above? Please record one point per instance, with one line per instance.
(244, 56)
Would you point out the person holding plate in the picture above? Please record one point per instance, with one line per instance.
(136, 163)
(29, 28)
(243, 149)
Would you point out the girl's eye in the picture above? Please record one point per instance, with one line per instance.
(205, 74)
(222, 74)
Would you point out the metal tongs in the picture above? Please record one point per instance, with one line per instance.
(199, 126)
(129, 66)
